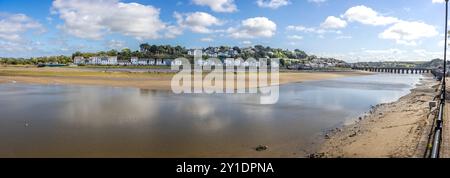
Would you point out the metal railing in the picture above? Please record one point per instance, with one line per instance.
(435, 150)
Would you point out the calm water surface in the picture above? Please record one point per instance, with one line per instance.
(84, 121)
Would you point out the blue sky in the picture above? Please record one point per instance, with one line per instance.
(351, 30)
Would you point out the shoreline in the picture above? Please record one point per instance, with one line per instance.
(142, 80)
(389, 130)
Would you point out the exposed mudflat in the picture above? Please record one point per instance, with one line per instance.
(388, 130)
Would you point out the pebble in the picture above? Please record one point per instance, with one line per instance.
(261, 148)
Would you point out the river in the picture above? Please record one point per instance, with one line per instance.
(87, 121)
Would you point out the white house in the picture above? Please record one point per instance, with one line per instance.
(275, 64)
(199, 62)
(94, 60)
(253, 63)
(237, 63)
(78, 60)
(151, 62)
(195, 52)
(160, 62)
(104, 61)
(123, 62)
(143, 62)
(176, 63)
(111, 60)
(212, 63)
(134, 60)
(167, 62)
(229, 62)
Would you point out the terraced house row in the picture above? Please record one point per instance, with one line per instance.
(112, 60)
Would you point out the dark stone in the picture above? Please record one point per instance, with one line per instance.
(317, 155)
(261, 148)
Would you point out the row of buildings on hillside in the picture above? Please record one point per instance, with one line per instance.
(237, 63)
(289, 63)
(215, 52)
(316, 63)
(112, 60)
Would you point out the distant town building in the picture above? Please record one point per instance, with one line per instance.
(111, 60)
(134, 60)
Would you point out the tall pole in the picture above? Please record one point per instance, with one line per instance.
(445, 48)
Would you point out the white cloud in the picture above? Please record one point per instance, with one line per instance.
(198, 22)
(343, 37)
(92, 19)
(116, 44)
(173, 31)
(319, 31)
(207, 39)
(254, 28)
(392, 54)
(8, 48)
(438, 1)
(368, 16)
(300, 28)
(385, 51)
(407, 33)
(403, 32)
(273, 4)
(317, 1)
(442, 43)
(12, 26)
(218, 5)
(333, 23)
(246, 42)
(13, 31)
(295, 37)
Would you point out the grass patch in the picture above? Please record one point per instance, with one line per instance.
(39, 73)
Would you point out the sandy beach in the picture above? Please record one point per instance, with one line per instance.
(143, 80)
(393, 130)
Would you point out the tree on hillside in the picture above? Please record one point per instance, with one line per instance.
(125, 54)
(112, 52)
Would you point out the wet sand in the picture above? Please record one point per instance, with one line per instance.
(143, 80)
(397, 129)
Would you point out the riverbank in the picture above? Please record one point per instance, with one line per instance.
(389, 130)
(144, 80)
